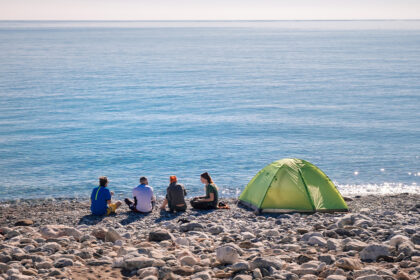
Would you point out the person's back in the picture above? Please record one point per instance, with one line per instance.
(101, 199)
(212, 188)
(143, 194)
(176, 195)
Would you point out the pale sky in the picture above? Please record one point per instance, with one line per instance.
(208, 9)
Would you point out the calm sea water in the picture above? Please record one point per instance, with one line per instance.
(126, 99)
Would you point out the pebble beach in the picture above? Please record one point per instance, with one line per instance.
(58, 239)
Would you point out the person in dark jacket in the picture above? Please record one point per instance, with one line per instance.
(175, 196)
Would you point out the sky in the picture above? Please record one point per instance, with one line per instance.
(208, 9)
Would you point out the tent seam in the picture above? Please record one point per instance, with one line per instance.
(269, 186)
(307, 191)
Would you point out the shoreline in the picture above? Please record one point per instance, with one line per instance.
(378, 239)
(161, 197)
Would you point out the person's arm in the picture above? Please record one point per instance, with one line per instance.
(134, 197)
(168, 196)
(207, 196)
(153, 196)
(184, 192)
(198, 198)
(210, 199)
(201, 197)
(108, 196)
(164, 203)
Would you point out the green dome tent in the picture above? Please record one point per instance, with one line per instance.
(292, 185)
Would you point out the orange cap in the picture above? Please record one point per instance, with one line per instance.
(172, 179)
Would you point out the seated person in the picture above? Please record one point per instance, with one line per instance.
(101, 199)
(210, 200)
(144, 200)
(175, 196)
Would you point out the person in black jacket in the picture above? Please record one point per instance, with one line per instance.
(175, 196)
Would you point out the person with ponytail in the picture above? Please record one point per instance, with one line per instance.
(210, 200)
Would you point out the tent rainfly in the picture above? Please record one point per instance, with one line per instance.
(292, 185)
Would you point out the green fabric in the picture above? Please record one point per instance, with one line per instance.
(211, 188)
(292, 184)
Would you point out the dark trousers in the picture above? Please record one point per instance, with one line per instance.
(132, 206)
(203, 205)
(177, 208)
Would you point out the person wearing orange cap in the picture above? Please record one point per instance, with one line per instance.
(175, 196)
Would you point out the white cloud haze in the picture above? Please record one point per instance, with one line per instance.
(207, 9)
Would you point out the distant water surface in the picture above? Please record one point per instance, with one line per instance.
(126, 99)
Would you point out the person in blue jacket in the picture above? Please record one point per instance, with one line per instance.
(101, 199)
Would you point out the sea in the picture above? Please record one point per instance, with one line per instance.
(124, 99)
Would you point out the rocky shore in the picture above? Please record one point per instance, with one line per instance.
(50, 239)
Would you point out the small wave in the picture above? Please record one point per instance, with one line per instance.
(382, 189)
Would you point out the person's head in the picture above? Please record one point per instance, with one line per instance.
(103, 181)
(144, 181)
(173, 179)
(206, 179)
